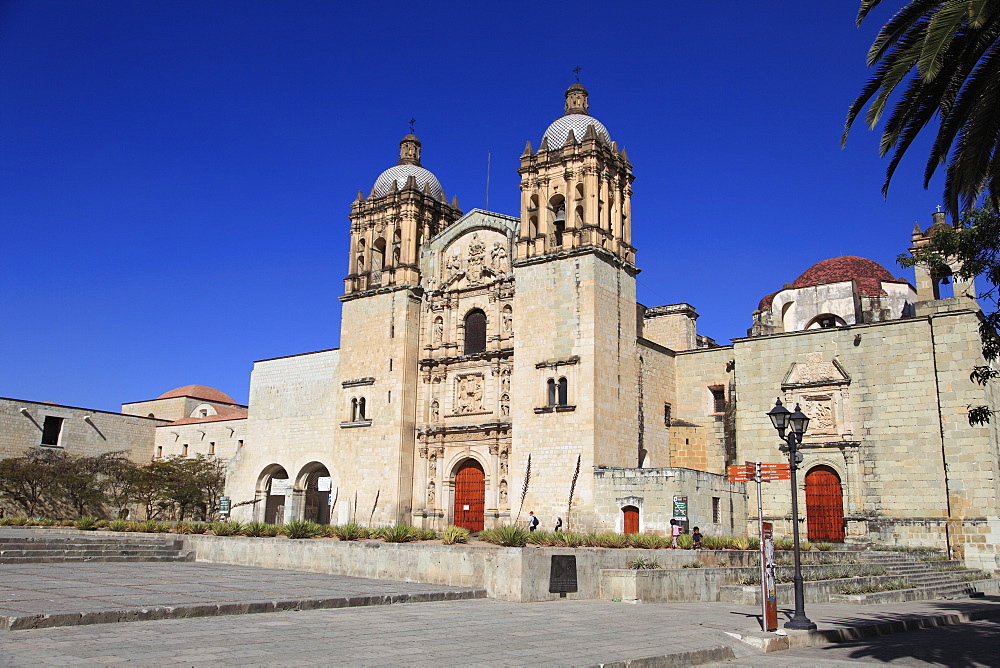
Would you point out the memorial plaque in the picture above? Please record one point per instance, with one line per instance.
(562, 576)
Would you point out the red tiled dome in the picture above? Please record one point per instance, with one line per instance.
(199, 392)
(868, 273)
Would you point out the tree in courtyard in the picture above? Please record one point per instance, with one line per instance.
(76, 483)
(945, 57)
(975, 244)
(193, 483)
(119, 479)
(24, 480)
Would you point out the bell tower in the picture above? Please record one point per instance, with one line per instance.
(930, 279)
(405, 207)
(576, 191)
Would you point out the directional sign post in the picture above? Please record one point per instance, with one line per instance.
(759, 472)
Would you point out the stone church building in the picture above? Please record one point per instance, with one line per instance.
(492, 364)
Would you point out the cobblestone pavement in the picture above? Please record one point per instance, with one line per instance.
(970, 644)
(65, 590)
(469, 632)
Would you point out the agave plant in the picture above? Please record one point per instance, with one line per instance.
(349, 531)
(739, 543)
(399, 533)
(824, 547)
(538, 537)
(198, 527)
(784, 544)
(226, 528)
(453, 534)
(86, 523)
(302, 529)
(685, 541)
(643, 563)
(508, 535)
(426, 534)
(118, 525)
(255, 529)
(182, 527)
(646, 541)
(614, 540)
(713, 542)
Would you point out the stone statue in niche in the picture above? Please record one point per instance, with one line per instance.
(432, 466)
(499, 255)
(435, 411)
(470, 394)
(503, 493)
(508, 320)
(505, 381)
(430, 494)
(454, 264)
(503, 462)
(505, 405)
(438, 330)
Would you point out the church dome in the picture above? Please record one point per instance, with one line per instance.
(868, 273)
(559, 129)
(575, 118)
(199, 392)
(400, 173)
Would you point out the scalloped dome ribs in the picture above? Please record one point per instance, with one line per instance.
(199, 392)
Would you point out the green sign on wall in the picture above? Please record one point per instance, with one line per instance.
(680, 507)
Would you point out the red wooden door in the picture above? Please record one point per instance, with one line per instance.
(630, 515)
(824, 505)
(470, 495)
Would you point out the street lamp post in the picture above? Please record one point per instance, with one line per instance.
(795, 424)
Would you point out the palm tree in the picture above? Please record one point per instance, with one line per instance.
(948, 51)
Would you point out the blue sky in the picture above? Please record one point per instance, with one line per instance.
(175, 177)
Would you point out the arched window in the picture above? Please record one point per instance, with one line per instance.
(361, 408)
(551, 384)
(378, 254)
(562, 391)
(579, 191)
(557, 205)
(532, 227)
(475, 332)
(826, 321)
(354, 410)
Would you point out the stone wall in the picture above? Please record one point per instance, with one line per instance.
(697, 372)
(710, 497)
(21, 424)
(220, 438)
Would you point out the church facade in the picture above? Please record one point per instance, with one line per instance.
(491, 365)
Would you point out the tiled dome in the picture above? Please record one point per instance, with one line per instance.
(400, 173)
(559, 129)
(868, 273)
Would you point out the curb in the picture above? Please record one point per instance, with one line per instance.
(801, 639)
(25, 622)
(678, 660)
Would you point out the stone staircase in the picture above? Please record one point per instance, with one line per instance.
(82, 548)
(926, 578)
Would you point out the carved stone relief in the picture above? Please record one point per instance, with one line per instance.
(430, 494)
(469, 393)
(821, 412)
(503, 493)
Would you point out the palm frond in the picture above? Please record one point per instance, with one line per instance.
(941, 30)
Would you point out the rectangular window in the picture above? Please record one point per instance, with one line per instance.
(239, 444)
(666, 415)
(159, 451)
(51, 430)
(718, 399)
(211, 448)
(184, 450)
(716, 510)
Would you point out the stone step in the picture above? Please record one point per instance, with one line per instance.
(183, 556)
(954, 590)
(128, 550)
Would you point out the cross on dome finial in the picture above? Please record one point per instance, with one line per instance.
(576, 73)
(412, 121)
(939, 208)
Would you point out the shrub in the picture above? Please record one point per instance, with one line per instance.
(643, 563)
(824, 547)
(567, 539)
(63, 523)
(685, 541)
(302, 529)
(271, 530)
(152, 526)
(972, 577)
(539, 537)
(883, 585)
(932, 557)
(612, 540)
(182, 527)
(52, 523)
(784, 544)
(453, 534)
(118, 525)
(754, 543)
(226, 528)
(255, 529)
(327, 530)
(713, 542)
(198, 527)
(507, 535)
(739, 543)
(426, 534)
(399, 533)
(646, 541)
(349, 531)
(102, 524)
(945, 568)
(19, 521)
(805, 545)
(693, 564)
(86, 523)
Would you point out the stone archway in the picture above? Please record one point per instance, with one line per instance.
(470, 495)
(312, 491)
(272, 491)
(824, 505)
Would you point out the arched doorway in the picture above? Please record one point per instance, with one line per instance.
(470, 495)
(273, 487)
(824, 505)
(630, 519)
(315, 486)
